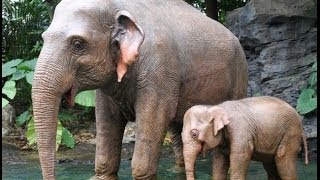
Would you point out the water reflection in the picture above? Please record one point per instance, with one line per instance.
(166, 171)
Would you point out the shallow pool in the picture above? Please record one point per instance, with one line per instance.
(67, 171)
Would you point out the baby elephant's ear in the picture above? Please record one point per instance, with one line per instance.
(220, 118)
(129, 36)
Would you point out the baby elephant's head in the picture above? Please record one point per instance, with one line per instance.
(201, 126)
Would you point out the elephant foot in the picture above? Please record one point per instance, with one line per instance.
(179, 168)
(152, 177)
(104, 177)
(180, 162)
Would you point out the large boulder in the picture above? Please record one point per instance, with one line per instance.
(8, 119)
(279, 38)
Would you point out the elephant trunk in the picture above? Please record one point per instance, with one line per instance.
(47, 91)
(190, 152)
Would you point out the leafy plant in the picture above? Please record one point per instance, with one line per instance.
(63, 135)
(9, 89)
(307, 101)
(86, 98)
(18, 69)
(23, 22)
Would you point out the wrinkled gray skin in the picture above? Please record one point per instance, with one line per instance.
(264, 129)
(149, 60)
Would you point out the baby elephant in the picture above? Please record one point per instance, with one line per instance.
(264, 129)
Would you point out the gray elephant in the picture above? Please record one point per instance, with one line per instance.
(149, 60)
(264, 128)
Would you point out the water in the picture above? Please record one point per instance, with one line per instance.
(166, 170)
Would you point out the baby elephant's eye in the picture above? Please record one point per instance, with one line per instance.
(194, 134)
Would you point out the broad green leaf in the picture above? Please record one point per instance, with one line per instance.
(19, 74)
(9, 89)
(29, 77)
(306, 102)
(313, 79)
(31, 133)
(314, 66)
(22, 118)
(8, 72)
(86, 98)
(59, 135)
(4, 102)
(67, 138)
(8, 68)
(28, 65)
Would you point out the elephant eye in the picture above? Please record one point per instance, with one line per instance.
(194, 134)
(77, 45)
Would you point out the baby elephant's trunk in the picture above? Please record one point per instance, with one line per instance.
(305, 148)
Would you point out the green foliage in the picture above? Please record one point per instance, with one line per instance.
(59, 135)
(86, 98)
(225, 6)
(23, 22)
(22, 118)
(307, 101)
(63, 135)
(31, 133)
(65, 116)
(9, 89)
(67, 138)
(17, 69)
(10, 67)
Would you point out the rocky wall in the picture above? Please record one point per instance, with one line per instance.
(279, 38)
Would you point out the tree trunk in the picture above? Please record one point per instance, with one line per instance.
(211, 9)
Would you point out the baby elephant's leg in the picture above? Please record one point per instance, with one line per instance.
(240, 157)
(286, 157)
(220, 165)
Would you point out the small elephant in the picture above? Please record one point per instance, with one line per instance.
(264, 129)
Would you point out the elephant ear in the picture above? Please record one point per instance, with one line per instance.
(220, 118)
(129, 37)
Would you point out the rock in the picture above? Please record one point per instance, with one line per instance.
(129, 133)
(310, 126)
(8, 119)
(279, 38)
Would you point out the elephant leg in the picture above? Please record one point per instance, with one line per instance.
(153, 115)
(272, 171)
(110, 126)
(286, 158)
(220, 164)
(176, 129)
(240, 157)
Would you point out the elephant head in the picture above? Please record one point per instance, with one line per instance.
(89, 44)
(201, 125)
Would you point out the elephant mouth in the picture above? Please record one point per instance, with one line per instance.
(70, 95)
(201, 147)
(203, 150)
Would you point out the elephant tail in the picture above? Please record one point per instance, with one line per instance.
(305, 148)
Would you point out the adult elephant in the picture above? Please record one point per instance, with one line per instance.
(149, 60)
